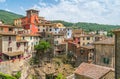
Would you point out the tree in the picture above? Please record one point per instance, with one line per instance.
(41, 48)
(60, 76)
(6, 76)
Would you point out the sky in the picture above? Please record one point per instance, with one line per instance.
(92, 11)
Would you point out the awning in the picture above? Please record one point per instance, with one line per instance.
(13, 53)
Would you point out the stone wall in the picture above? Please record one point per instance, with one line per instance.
(8, 67)
(117, 55)
(105, 52)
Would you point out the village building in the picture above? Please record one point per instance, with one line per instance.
(92, 71)
(117, 53)
(82, 53)
(83, 39)
(105, 52)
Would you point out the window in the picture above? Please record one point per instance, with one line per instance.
(88, 43)
(38, 29)
(31, 38)
(23, 37)
(68, 33)
(50, 29)
(88, 38)
(18, 45)
(9, 38)
(106, 60)
(78, 42)
(83, 44)
(24, 44)
(55, 29)
(48, 35)
(82, 51)
(43, 30)
(10, 29)
(9, 49)
(83, 38)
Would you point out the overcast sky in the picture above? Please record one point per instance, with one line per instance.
(94, 11)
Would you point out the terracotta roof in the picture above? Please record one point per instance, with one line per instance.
(7, 33)
(77, 31)
(29, 35)
(83, 35)
(13, 53)
(32, 10)
(116, 30)
(2, 25)
(50, 24)
(22, 41)
(58, 34)
(92, 71)
(109, 41)
(88, 47)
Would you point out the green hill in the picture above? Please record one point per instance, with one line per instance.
(8, 17)
(88, 26)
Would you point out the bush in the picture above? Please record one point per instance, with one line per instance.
(6, 76)
(18, 75)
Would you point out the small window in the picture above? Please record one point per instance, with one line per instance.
(83, 44)
(82, 51)
(10, 49)
(43, 30)
(23, 38)
(31, 38)
(48, 35)
(83, 38)
(88, 38)
(78, 42)
(106, 60)
(9, 38)
(88, 43)
(68, 34)
(50, 29)
(38, 29)
(24, 44)
(55, 29)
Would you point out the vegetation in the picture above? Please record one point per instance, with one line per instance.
(88, 26)
(8, 17)
(6, 76)
(41, 48)
(60, 76)
(18, 75)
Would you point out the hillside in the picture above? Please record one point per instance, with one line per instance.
(88, 26)
(8, 17)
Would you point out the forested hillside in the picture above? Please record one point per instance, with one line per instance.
(88, 26)
(8, 17)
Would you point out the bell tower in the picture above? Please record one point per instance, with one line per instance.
(32, 12)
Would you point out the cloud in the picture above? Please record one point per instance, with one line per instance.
(21, 7)
(8, 9)
(1, 1)
(95, 11)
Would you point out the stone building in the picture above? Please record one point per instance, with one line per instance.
(105, 52)
(81, 53)
(91, 71)
(117, 53)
